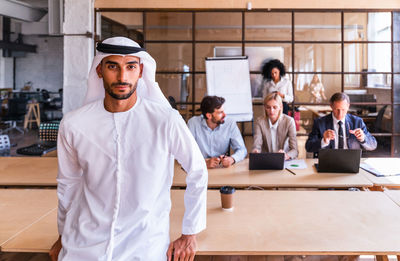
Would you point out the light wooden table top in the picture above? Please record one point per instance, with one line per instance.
(28, 171)
(20, 208)
(393, 195)
(298, 223)
(240, 176)
(272, 223)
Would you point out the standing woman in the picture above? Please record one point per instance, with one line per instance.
(274, 81)
(275, 132)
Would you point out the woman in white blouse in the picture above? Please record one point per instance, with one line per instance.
(274, 81)
(275, 132)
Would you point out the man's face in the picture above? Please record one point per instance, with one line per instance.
(339, 109)
(120, 75)
(218, 116)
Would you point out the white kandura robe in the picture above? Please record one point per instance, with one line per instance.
(114, 180)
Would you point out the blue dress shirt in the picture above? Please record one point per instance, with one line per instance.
(214, 143)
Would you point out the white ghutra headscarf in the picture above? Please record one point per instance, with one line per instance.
(147, 86)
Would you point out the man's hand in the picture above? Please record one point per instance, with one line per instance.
(55, 250)
(183, 249)
(226, 161)
(329, 135)
(359, 133)
(212, 162)
(256, 151)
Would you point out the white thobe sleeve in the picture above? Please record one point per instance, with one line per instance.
(186, 151)
(69, 176)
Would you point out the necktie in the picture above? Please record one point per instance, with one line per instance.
(341, 140)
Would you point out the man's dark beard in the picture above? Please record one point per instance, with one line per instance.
(121, 96)
(221, 121)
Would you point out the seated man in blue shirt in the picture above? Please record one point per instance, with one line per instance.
(340, 130)
(215, 135)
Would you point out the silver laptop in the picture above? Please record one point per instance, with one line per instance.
(339, 160)
(266, 160)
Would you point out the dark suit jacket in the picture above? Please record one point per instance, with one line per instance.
(322, 124)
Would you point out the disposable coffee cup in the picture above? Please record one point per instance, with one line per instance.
(227, 197)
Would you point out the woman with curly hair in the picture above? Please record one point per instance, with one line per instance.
(274, 81)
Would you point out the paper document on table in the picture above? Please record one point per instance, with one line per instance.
(295, 164)
(381, 167)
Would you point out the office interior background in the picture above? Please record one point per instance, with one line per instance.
(349, 46)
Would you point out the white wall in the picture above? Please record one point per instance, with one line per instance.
(43, 68)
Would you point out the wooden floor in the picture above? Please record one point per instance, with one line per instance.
(24, 257)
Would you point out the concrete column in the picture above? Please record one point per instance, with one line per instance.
(78, 51)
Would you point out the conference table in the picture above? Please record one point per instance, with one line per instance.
(42, 172)
(393, 195)
(22, 208)
(267, 223)
(28, 171)
(239, 176)
(39, 171)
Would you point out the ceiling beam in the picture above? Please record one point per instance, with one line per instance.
(21, 11)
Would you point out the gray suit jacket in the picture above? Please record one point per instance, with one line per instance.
(286, 131)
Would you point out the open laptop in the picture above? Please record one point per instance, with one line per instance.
(266, 160)
(339, 160)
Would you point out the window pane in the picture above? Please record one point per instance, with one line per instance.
(396, 26)
(367, 57)
(362, 81)
(317, 57)
(396, 87)
(396, 57)
(168, 26)
(128, 24)
(204, 50)
(397, 118)
(317, 26)
(396, 143)
(201, 87)
(308, 113)
(171, 57)
(316, 88)
(367, 26)
(268, 26)
(260, 53)
(171, 85)
(219, 26)
(256, 83)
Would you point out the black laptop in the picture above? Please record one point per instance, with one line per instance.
(266, 160)
(339, 160)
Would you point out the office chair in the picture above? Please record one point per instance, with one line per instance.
(378, 121)
(47, 140)
(4, 145)
(16, 111)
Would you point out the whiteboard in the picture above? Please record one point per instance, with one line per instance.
(229, 77)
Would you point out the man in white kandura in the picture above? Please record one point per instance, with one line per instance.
(116, 161)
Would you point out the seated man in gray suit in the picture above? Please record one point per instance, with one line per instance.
(340, 130)
(275, 132)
